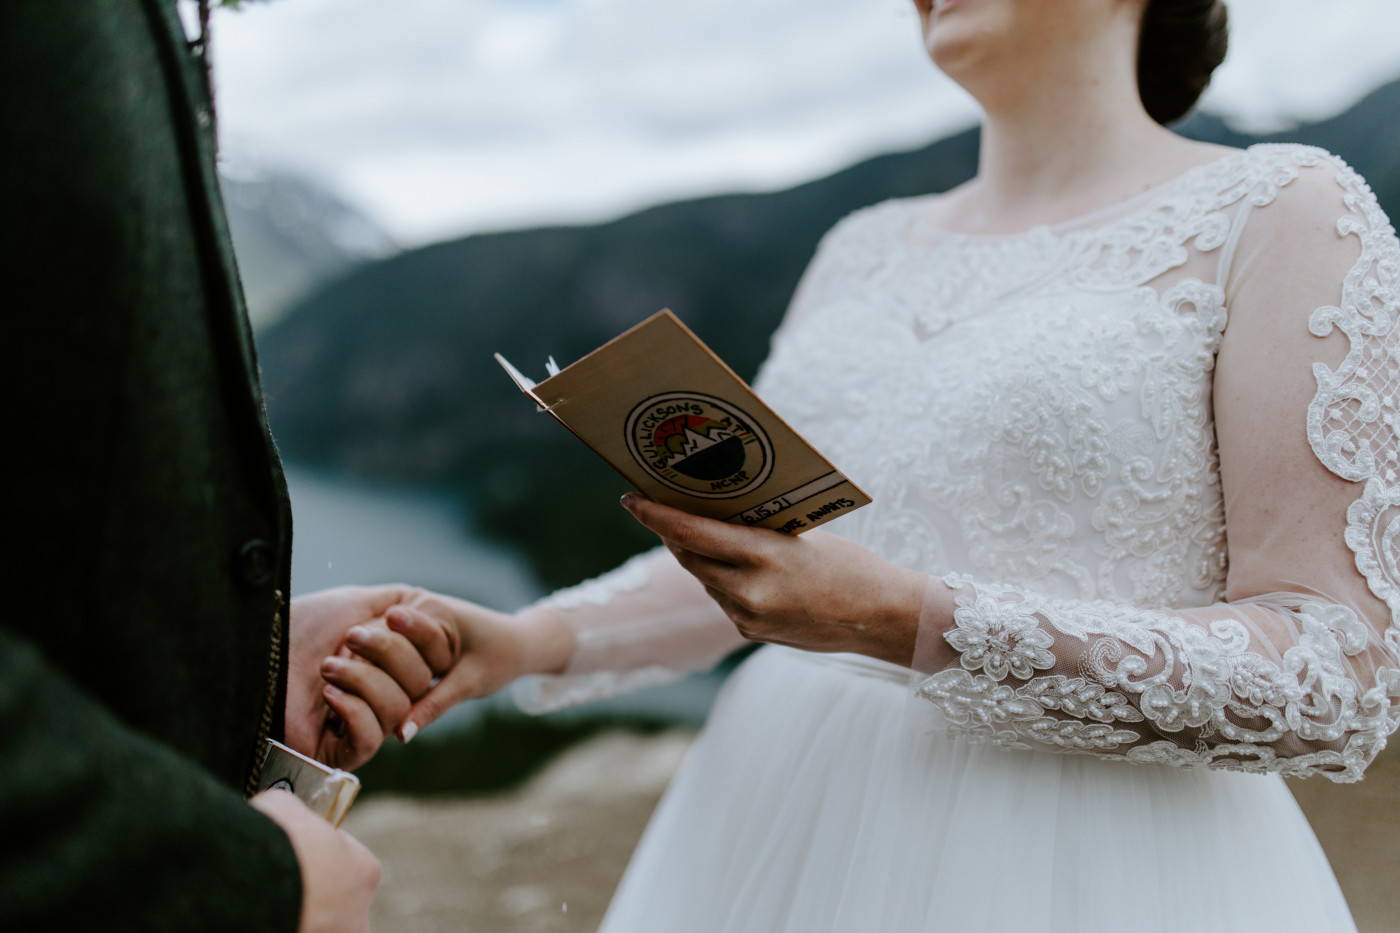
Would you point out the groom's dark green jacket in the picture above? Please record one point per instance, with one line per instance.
(142, 620)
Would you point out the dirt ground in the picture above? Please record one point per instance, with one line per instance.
(545, 858)
(1359, 827)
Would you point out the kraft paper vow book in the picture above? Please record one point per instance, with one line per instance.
(684, 430)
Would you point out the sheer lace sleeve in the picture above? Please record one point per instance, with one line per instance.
(1298, 669)
(646, 623)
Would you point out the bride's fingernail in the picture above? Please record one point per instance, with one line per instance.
(629, 499)
(407, 731)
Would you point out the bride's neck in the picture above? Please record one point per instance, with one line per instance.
(1071, 138)
(1052, 145)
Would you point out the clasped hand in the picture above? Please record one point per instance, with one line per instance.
(427, 652)
(321, 722)
(363, 657)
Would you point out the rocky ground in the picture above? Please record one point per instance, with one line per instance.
(545, 858)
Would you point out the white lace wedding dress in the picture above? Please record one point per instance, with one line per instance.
(1153, 451)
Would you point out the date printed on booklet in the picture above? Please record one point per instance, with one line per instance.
(668, 415)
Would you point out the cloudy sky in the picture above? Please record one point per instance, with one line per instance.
(443, 117)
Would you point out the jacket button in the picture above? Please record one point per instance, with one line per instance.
(256, 563)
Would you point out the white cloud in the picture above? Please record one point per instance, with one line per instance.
(445, 116)
(1292, 61)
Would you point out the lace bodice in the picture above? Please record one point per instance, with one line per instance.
(1036, 413)
(1037, 418)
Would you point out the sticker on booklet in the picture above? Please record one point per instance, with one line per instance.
(699, 444)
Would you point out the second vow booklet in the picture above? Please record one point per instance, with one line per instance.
(683, 429)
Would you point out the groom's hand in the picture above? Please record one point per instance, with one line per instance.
(338, 874)
(340, 728)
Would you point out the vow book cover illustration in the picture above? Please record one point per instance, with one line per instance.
(665, 412)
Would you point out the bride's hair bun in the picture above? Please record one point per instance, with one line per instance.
(1181, 43)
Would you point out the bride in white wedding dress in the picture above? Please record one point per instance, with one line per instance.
(1128, 409)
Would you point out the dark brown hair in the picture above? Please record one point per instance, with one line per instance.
(1181, 43)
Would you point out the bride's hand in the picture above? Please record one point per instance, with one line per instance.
(817, 592)
(441, 651)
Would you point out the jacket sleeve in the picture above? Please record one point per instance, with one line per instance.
(106, 829)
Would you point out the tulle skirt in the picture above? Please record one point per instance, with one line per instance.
(814, 801)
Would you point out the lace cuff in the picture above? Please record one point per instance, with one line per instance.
(1281, 683)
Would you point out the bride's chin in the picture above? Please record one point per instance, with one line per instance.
(972, 38)
(955, 56)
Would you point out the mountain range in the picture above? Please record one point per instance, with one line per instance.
(386, 372)
(292, 236)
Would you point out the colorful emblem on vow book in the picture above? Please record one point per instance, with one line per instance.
(699, 444)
